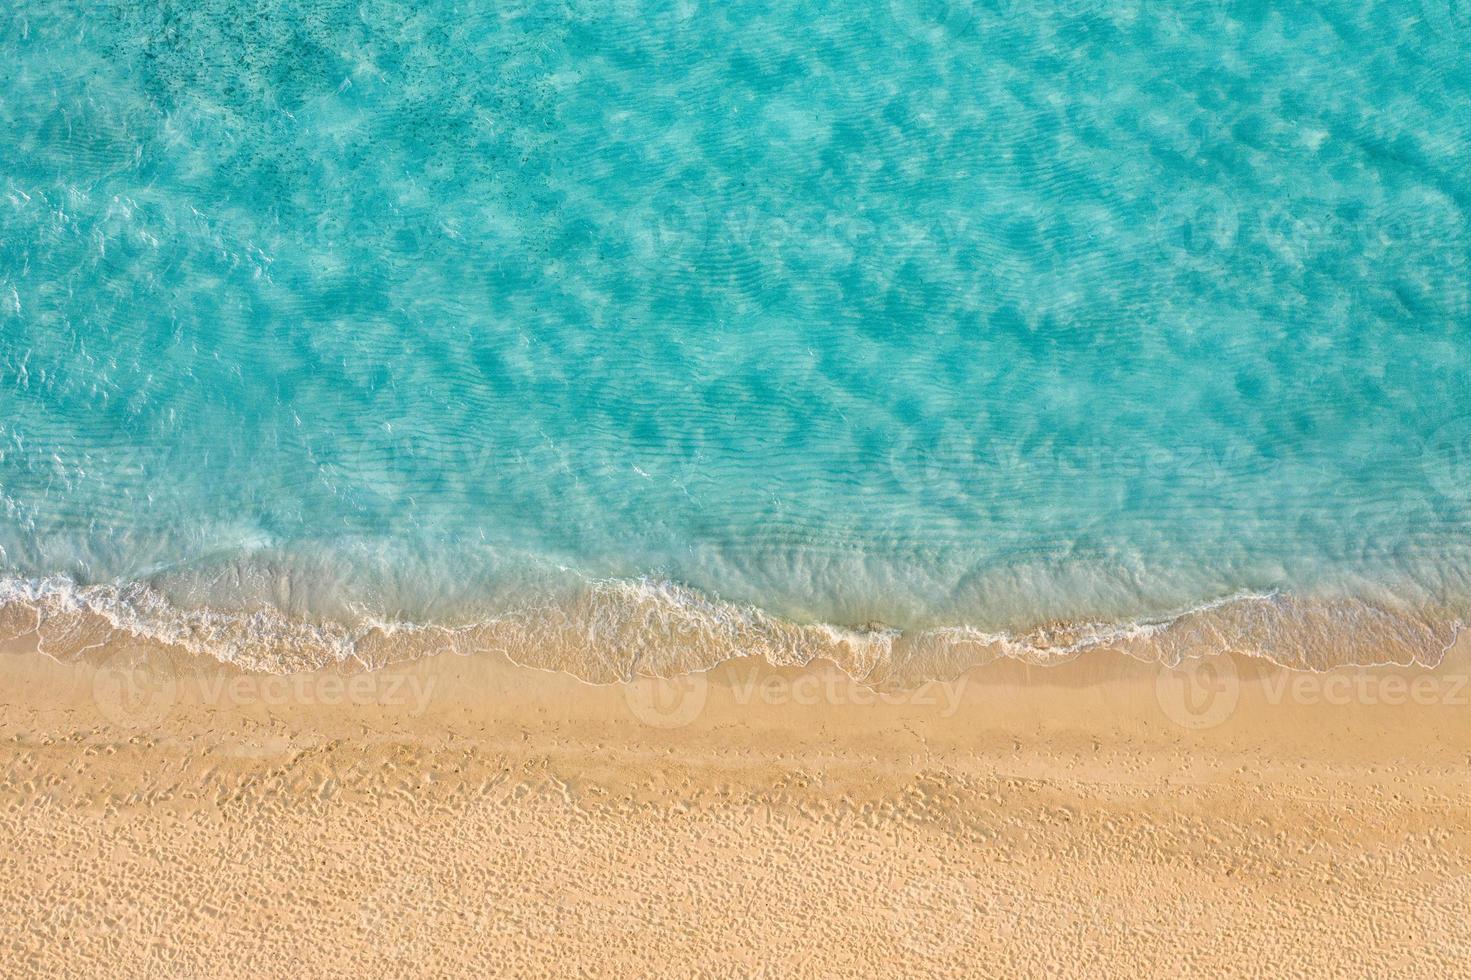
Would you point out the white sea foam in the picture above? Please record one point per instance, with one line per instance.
(619, 629)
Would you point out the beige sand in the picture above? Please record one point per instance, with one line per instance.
(462, 816)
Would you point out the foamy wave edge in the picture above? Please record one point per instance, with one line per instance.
(617, 630)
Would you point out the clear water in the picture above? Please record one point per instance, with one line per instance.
(993, 320)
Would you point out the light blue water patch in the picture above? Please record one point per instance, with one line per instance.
(935, 314)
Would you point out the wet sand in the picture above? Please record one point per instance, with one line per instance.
(464, 816)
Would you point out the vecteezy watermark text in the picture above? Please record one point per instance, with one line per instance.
(140, 692)
(1203, 693)
(1367, 688)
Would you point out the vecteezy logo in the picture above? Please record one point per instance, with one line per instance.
(667, 702)
(1449, 18)
(671, 234)
(1446, 458)
(943, 464)
(1200, 693)
(1199, 229)
(937, 917)
(135, 688)
(939, 21)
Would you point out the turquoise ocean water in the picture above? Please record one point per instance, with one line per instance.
(627, 335)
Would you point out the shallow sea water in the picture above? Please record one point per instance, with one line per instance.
(628, 336)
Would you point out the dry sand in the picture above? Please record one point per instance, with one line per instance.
(463, 816)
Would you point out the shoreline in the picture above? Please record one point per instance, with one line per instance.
(615, 630)
(461, 813)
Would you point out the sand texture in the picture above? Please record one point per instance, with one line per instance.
(460, 816)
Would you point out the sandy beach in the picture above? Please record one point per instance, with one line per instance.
(679, 489)
(464, 816)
